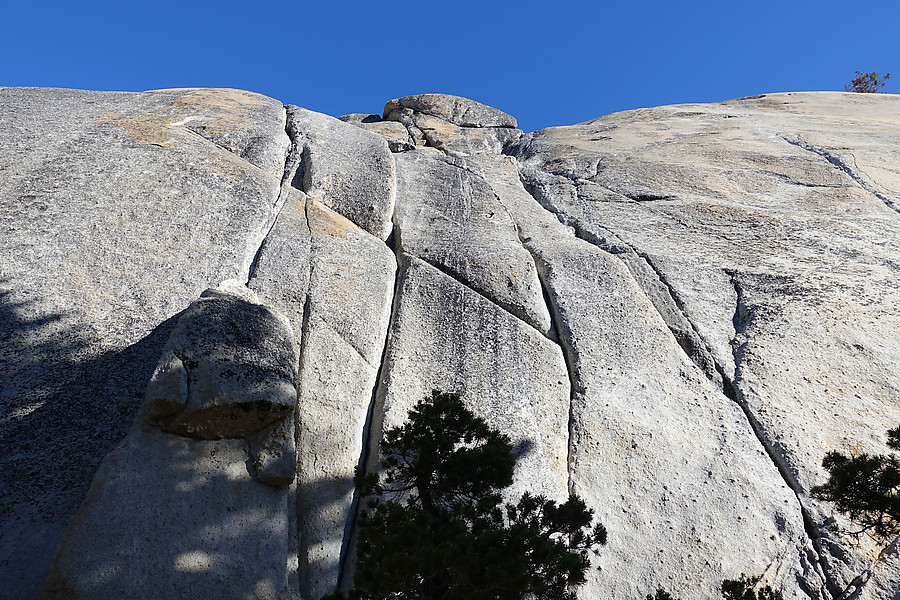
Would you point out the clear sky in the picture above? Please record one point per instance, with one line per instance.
(553, 62)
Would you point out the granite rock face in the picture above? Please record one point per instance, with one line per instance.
(768, 219)
(350, 167)
(673, 312)
(118, 210)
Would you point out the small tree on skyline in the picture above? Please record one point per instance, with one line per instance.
(867, 83)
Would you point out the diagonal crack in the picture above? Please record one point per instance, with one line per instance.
(443, 269)
(847, 164)
(742, 318)
(665, 300)
(658, 290)
(684, 331)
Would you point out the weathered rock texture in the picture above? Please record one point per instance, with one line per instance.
(118, 210)
(674, 312)
(228, 369)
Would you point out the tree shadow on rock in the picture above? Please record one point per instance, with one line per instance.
(172, 517)
(65, 402)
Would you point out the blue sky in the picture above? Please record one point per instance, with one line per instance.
(548, 63)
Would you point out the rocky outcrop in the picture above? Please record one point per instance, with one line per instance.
(350, 168)
(228, 369)
(451, 109)
(673, 312)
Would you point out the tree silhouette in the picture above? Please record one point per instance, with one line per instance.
(745, 589)
(436, 527)
(867, 83)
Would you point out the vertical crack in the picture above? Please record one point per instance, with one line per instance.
(553, 334)
(847, 164)
(373, 419)
(741, 319)
(569, 352)
(570, 357)
(294, 513)
(291, 162)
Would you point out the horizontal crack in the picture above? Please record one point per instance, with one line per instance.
(792, 181)
(649, 197)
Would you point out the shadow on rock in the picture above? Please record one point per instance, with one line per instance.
(173, 517)
(64, 404)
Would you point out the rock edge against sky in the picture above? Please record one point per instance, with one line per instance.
(212, 304)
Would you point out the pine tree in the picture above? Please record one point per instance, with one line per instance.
(437, 529)
(866, 488)
(745, 589)
(867, 83)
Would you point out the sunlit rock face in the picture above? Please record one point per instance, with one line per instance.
(213, 304)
